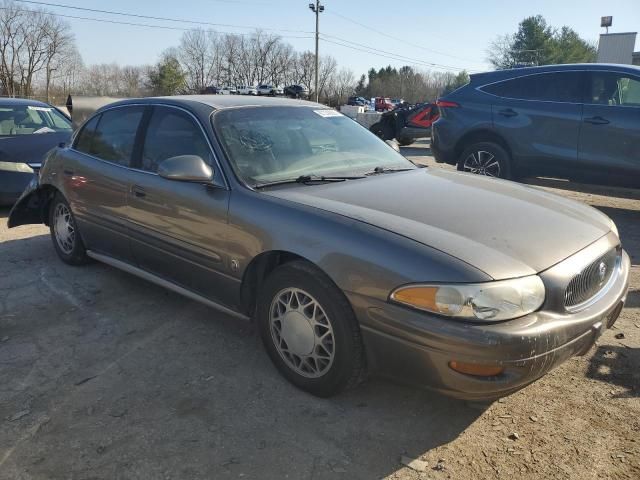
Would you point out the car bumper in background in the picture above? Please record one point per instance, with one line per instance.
(418, 348)
(14, 178)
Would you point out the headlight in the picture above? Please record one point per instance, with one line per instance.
(15, 167)
(490, 301)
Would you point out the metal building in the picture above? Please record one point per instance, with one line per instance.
(616, 47)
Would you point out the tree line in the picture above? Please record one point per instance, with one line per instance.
(39, 58)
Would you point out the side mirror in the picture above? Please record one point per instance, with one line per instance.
(393, 144)
(186, 168)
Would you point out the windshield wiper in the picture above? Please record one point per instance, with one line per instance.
(309, 179)
(379, 170)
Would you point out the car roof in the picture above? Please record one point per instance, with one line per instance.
(220, 102)
(5, 102)
(517, 72)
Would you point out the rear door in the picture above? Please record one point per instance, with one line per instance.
(610, 134)
(539, 116)
(179, 229)
(97, 178)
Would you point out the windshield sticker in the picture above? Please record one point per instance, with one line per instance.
(327, 112)
(39, 109)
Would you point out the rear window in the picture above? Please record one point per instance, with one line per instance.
(547, 87)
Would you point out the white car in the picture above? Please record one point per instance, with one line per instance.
(266, 89)
(246, 90)
(228, 90)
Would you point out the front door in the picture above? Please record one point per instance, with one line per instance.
(96, 179)
(610, 134)
(179, 229)
(540, 116)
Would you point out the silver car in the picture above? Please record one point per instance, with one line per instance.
(349, 258)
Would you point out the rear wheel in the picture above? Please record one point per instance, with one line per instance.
(485, 158)
(64, 233)
(309, 330)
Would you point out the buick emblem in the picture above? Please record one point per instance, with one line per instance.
(602, 271)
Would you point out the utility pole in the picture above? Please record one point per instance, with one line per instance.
(317, 8)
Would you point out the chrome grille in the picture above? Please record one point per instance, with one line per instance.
(586, 284)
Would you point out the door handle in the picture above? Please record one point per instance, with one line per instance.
(596, 120)
(138, 191)
(68, 173)
(507, 112)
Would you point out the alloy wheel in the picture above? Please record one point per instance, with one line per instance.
(482, 163)
(302, 332)
(64, 228)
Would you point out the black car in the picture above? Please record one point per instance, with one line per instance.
(28, 129)
(296, 91)
(569, 120)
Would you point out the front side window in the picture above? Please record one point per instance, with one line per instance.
(171, 133)
(549, 87)
(115, 134)
(32, 119)
(271, 144)
(609, 88)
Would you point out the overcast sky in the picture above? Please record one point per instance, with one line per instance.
(452, 34)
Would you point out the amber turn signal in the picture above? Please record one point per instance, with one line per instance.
(476, 369)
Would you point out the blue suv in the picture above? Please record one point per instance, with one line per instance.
(557, 119)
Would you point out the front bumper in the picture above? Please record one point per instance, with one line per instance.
(416, 347)
(12, 184)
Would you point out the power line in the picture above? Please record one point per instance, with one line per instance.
(399, 57)
(150, 17)
(398, 39)
(345, 43)
(376, 53)
(133, 24)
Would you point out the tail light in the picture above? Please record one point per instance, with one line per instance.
(446, 104)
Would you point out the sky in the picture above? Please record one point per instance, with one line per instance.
(453, 35)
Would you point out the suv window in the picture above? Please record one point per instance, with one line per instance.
(609, 88)
(550, 87)
(113, 137)
(172, 132)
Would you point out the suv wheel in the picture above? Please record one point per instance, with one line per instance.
(64, 233)
(485, 158)
(309, 330)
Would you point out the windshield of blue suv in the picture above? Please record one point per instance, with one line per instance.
(274, 144)
(31, 119)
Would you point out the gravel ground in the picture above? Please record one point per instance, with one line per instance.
(104, 376)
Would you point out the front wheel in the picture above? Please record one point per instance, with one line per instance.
(485, 158)
(309, 330)
(64, 233)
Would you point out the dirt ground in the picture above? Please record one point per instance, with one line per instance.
(104, 376)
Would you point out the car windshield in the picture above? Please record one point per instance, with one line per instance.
(273, 144)
(31, 119)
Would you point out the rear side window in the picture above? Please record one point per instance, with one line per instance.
(114, 136)
(549, 87)
(609, 88)
(172, 132)
(85, 137)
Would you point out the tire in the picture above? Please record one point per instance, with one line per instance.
(494, 160)
(404, 141)
(293, 297)
(65, 235)
(382, 131)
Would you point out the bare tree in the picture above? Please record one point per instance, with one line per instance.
(59, 49)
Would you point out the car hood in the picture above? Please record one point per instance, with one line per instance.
(502, 228)
(29, 148)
